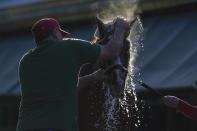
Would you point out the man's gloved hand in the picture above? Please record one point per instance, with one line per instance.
(171, 101)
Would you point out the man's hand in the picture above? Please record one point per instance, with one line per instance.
(171, 101)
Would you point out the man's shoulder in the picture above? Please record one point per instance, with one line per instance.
(27, 54)
(24, 58)
(74, 41)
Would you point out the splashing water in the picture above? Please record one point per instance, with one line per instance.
(110, 121)
(136, 45)
(112, 107)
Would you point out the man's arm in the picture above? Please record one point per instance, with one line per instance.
(112, 49)
(187, 109)
(86, 80)
(109, 51)
(181, 106)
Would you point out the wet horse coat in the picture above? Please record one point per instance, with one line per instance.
(92, 98)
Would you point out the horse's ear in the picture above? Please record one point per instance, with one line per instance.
(100, 24)
(133, 21)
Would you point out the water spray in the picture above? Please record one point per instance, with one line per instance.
(117, 66)
(124, 103)
(148, 88)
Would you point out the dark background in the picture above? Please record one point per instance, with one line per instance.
(167, 61)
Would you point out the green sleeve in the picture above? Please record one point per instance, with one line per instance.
(85, 51)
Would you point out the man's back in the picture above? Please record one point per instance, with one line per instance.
(48, 77)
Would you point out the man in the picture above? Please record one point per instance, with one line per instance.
(181, 106)
(49, 75)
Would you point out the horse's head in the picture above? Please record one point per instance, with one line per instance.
(116, 73)
(104, 30)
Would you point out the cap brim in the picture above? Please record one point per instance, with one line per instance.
(64, 33)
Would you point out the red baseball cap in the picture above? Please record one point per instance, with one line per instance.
(47, 24)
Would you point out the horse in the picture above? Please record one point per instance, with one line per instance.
(95, 105)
